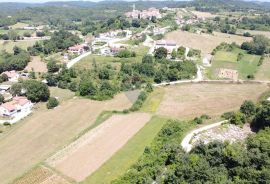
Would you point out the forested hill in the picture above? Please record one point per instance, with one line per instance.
(115, 4)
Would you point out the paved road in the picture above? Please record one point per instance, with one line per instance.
(77, 59)
(186, 141)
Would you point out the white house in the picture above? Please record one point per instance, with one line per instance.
(13, 76)
(167, 44)
(18, 105)
(4, 88)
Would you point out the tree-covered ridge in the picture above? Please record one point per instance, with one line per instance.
(165, 161)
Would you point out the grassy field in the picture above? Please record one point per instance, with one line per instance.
(61, 94)
(190, 100)
(204, 42)
(226, 56)
(87, 62)
(37, 65)
(8, 45)
(153, 101)
(19, 25)
(127, 155)
(46, 131)
(263, 72)
(248, 65)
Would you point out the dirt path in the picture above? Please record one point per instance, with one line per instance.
(186, 141)
(87, 154)
(40, 135)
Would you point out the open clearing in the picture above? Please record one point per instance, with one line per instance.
(204, 42)
(191, 100)
(23, 44)
(46, 131)
(89, 152)
(87, 63)
(203, 14)
(37, 65)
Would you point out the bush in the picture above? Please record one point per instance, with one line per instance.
(238, 118)
(198, 120)
(52, 103)
(139, 102)
(227, 115)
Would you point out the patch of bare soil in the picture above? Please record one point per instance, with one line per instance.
(36, 65)
(88, 153)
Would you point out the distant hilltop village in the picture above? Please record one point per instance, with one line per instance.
(145, 14)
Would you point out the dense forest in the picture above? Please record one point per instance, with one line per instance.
(241, 162)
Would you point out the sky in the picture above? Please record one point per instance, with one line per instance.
(42, 1)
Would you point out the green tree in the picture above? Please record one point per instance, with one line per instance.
(161, 53)
(248, 108)
(87, 88)
(52, 103)
(147, 59)
(36, 91)
(238, 119)
(16, 89)
(53, 66)
(174, 54)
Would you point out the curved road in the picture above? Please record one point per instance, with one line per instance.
(186, 141)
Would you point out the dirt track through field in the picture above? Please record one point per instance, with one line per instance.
(87, 154)
(190, 100)
(46, 131)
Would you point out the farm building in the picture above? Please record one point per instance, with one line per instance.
(228, 74)
(18, 105)
(167, 44)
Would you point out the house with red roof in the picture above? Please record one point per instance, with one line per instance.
(78, 49)
(18, 105)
